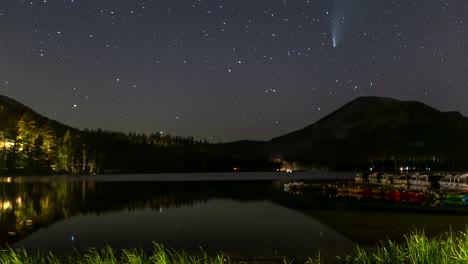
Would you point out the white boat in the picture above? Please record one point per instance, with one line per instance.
(450, 181)
(374, 178)
(419, 180)
(359, 178)
(397, 180)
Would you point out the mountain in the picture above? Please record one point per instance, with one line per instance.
(378, 129)
(11, 112)
(377, 132)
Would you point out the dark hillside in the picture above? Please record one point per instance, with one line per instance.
(11, 112)
(376, 128)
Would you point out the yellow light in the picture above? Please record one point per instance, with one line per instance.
(6, 205)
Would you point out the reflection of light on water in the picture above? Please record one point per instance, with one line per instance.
(8, 179)
(6, 205)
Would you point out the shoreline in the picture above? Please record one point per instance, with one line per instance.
(418, 248)
(179, 177)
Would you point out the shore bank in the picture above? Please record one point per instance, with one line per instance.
(418, 248)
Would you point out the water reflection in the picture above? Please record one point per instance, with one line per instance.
(245, 218)
(249, 229)
(369, 215)
(235, 217)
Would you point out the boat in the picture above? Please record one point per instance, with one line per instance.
(294, 187)
(419, 198)
(424, 181)
(394, 179)
(359, 178)
(450, 181)
(419, 180)
(374, 178)
(455, 197)
(387, 179)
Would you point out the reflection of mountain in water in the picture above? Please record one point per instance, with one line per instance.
(363, 221)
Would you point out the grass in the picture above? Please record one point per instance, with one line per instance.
(417, 249)
(160, 255)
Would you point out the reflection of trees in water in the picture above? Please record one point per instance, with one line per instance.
(47, 202)
(369, 221)
(116, 196)
(42, 203)
(363, 221)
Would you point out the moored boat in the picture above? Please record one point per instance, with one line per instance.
(359, 178)
(374, 178)
(419, 180)
(450, 181)
(294, 187)
(394, 179)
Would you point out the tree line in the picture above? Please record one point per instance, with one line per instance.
(31, 148)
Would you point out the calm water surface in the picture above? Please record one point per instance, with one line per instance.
(247, 215)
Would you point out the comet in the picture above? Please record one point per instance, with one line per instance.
(340, 13)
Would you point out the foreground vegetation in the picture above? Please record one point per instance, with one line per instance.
(160, 255)
(418, 248)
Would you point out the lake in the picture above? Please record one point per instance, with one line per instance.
(247, 215)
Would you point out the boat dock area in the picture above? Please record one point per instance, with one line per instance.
(416, 180)
(432, 189)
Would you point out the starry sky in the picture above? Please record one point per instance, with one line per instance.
(225, 70)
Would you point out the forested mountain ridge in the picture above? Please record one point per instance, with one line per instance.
(380, 132)
(11, 111)
(30, 141)
(376, 132)
(33, 144)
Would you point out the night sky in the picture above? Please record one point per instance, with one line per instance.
(228, 70)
